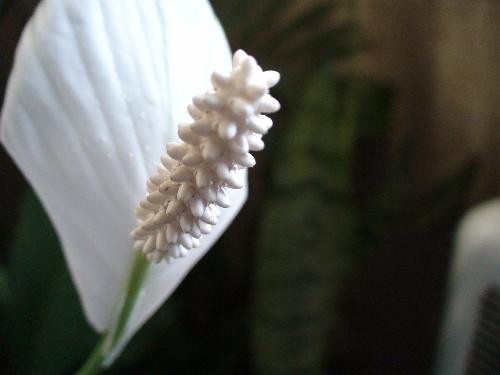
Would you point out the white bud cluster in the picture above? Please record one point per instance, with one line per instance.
(185, 195)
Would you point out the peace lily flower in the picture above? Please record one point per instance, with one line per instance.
(97, 90)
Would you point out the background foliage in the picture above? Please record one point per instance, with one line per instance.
(343, 261)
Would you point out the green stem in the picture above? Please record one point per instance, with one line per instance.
(110, 345)
(132, 290)
(94, 362)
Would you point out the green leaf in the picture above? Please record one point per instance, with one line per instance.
(319, 145)
(4, 287)
(307, 243)
(45, 329)
(302, 263)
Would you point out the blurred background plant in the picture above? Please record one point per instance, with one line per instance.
(338, 262)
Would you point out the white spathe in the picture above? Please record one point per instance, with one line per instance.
(97, 90)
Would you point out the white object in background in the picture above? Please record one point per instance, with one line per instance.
(97, 90)
(475, 269)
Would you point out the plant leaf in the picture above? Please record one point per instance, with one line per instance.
(45, 329)
(306, 244)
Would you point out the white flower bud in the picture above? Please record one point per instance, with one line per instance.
(181, 174)
(235, 180)
(194, 112)
(245, 160)
(214, 102)
(186, 221)
(187, 135)
(196, 242)
(161, 217)
(239, 145)
(161, 240)
(176, 150)
(209, 217)
(203, 178)
(227, 130)
(150, 244)
(156, 197)
(211, 151)
(185, 192)
(186, 240)
(255, 142)
(193, 157)
(238, 57)
(209, 193)
(220, 80)
(147, 205)
(202, 127)
(271, 77)
(197, 206)
(204, 227)
(195, 230)
(222, 170)
(200, 102)
(172, 232)
(174, 207)
(268, 104)
(222, 199)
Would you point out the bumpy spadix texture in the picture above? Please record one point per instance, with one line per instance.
(190, 187)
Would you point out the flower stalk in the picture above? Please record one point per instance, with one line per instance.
(111, 344)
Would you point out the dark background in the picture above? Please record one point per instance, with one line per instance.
(338, 262)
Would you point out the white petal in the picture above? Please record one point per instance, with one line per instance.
(97, 90)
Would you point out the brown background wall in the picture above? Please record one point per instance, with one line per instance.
(443, 58)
